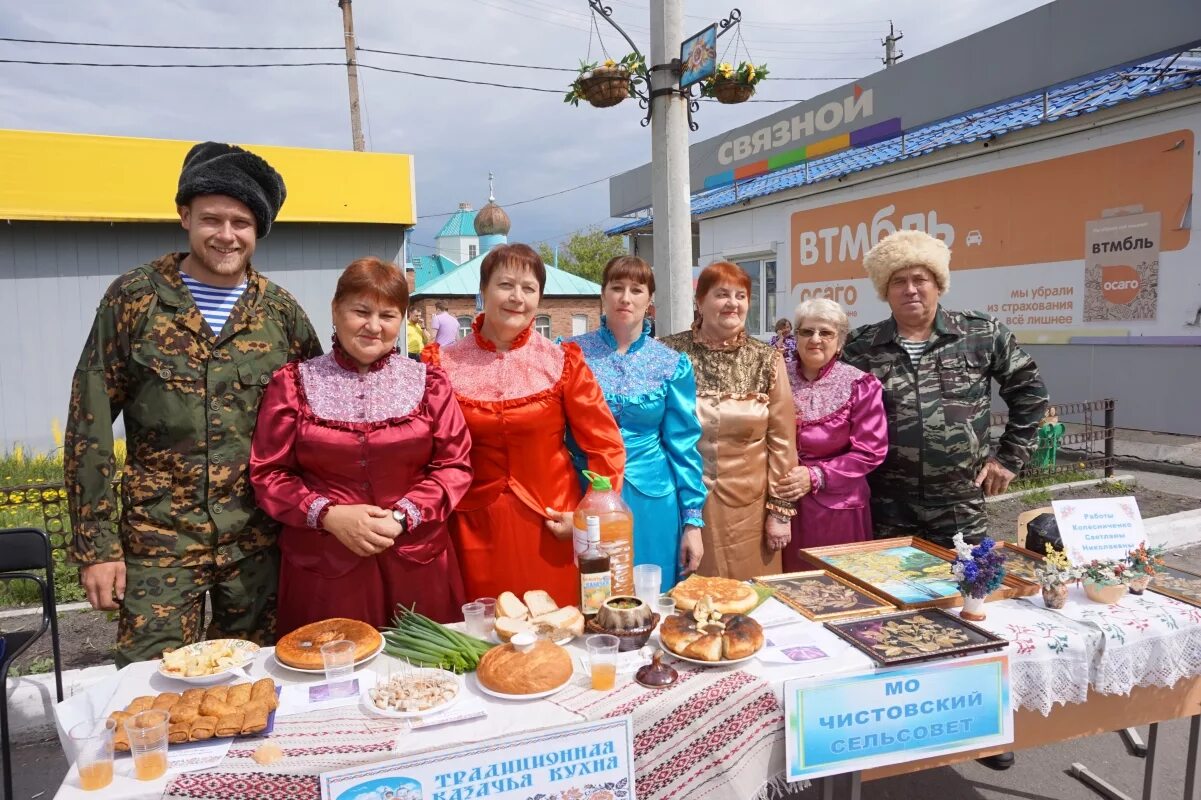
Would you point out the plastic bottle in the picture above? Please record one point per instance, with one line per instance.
(616, 529)
(596, 577)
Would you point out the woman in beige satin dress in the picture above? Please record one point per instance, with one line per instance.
(748, 423)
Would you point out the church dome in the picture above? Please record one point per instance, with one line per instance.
(491, 220)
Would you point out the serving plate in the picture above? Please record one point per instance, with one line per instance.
(534, 696)
(369, 704)
(357, 664)
(246, 651)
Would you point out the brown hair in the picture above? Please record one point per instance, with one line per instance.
(378, 279)
(721, 272)
(520, 257)
(630, 268)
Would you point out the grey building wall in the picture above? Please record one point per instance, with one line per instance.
(52, 275)
(1154, 388)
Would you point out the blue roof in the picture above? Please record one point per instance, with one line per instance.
(427, 268)
(464, 281)
(461, 223)
(1070, 100)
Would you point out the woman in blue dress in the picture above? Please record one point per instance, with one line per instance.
(651, 391)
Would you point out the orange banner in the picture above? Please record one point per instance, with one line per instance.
(1030, 214)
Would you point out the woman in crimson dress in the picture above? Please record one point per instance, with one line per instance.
(362, 454)
(842, 435)
(519, 392)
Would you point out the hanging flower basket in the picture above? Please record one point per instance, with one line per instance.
(731, 85)
(730, 92)
(607, 84)
(604, 86)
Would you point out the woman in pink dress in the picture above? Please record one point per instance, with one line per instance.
(361, 454)
(842, 435)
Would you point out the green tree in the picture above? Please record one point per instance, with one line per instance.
(585, 253)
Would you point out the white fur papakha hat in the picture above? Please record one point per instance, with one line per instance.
(908, 248)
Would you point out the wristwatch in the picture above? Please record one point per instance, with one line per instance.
(400, 517)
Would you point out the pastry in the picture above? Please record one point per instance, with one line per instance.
(706, 635)
(508, 669)
(202, 728)
(728, 596)
(255, 719)
(302, 647)
(263, 691)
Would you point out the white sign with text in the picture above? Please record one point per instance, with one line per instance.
(583, 760)
(1100, 528)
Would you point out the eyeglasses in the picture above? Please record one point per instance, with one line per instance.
(821, 333)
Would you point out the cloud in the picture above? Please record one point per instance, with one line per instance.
(534, 143)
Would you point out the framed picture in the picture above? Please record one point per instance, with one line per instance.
(907, 571)
(1178, 584)
(908, 636)
(1020, 564)
(698, 56)
(819, 594)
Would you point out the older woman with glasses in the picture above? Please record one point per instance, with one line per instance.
(841, 433)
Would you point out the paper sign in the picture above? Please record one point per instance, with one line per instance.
(1102, 528)
(588, 759)
(873, 719)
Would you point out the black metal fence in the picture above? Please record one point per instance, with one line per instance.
(1086, 444)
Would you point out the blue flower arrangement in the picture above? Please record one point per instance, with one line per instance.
(979, 568)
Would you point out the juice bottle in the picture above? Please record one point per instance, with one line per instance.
(596, 581)
(616, 529)
(95, 775)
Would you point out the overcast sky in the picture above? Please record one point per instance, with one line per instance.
(457, 132)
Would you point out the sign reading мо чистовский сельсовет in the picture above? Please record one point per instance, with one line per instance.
(842, 724)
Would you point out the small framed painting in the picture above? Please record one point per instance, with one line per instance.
(909, 636)
(1178, 584)
(1020, 564)
(907, 571)
(819, 595)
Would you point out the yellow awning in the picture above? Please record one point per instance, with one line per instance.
(69, 176)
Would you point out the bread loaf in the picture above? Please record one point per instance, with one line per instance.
(507, 670)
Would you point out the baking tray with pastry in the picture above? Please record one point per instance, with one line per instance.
(200, 714)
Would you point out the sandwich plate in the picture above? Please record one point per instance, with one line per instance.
(357, 664)
(534, 696)
(369, 703)
(242, 650)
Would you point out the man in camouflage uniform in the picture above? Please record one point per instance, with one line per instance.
(936, 366)
(187, 524)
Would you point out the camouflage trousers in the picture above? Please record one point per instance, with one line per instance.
(892, 517)
(164, 606)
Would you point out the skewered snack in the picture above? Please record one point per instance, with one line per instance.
(423, 690)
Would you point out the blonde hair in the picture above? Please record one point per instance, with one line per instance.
(820, 309)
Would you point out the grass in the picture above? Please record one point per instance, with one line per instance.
(38, 666)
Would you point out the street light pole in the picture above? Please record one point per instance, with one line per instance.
(670, 195)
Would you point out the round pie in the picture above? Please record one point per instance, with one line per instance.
(302, 647)
(509, 670)
(727, 595)
(740, 637)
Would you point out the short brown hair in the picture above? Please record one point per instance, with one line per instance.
(378, 279)
(520, 257)
(721, 272)
(629, 268)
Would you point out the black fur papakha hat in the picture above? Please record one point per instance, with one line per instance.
(216, 168)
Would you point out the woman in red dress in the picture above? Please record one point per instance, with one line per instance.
(361, 454)
(519, 391)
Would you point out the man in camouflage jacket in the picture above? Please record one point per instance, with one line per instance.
(936, 366)
(186, 524)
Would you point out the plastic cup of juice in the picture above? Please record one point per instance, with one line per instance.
(602, 661)
(147, 733)
(93, 741)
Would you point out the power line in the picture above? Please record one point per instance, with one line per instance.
(458, 80)
(158, 46)
(530, 199)
(175, 66)
(464, 60)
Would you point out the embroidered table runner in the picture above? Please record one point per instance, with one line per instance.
(715, 733)
(1147, 639)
